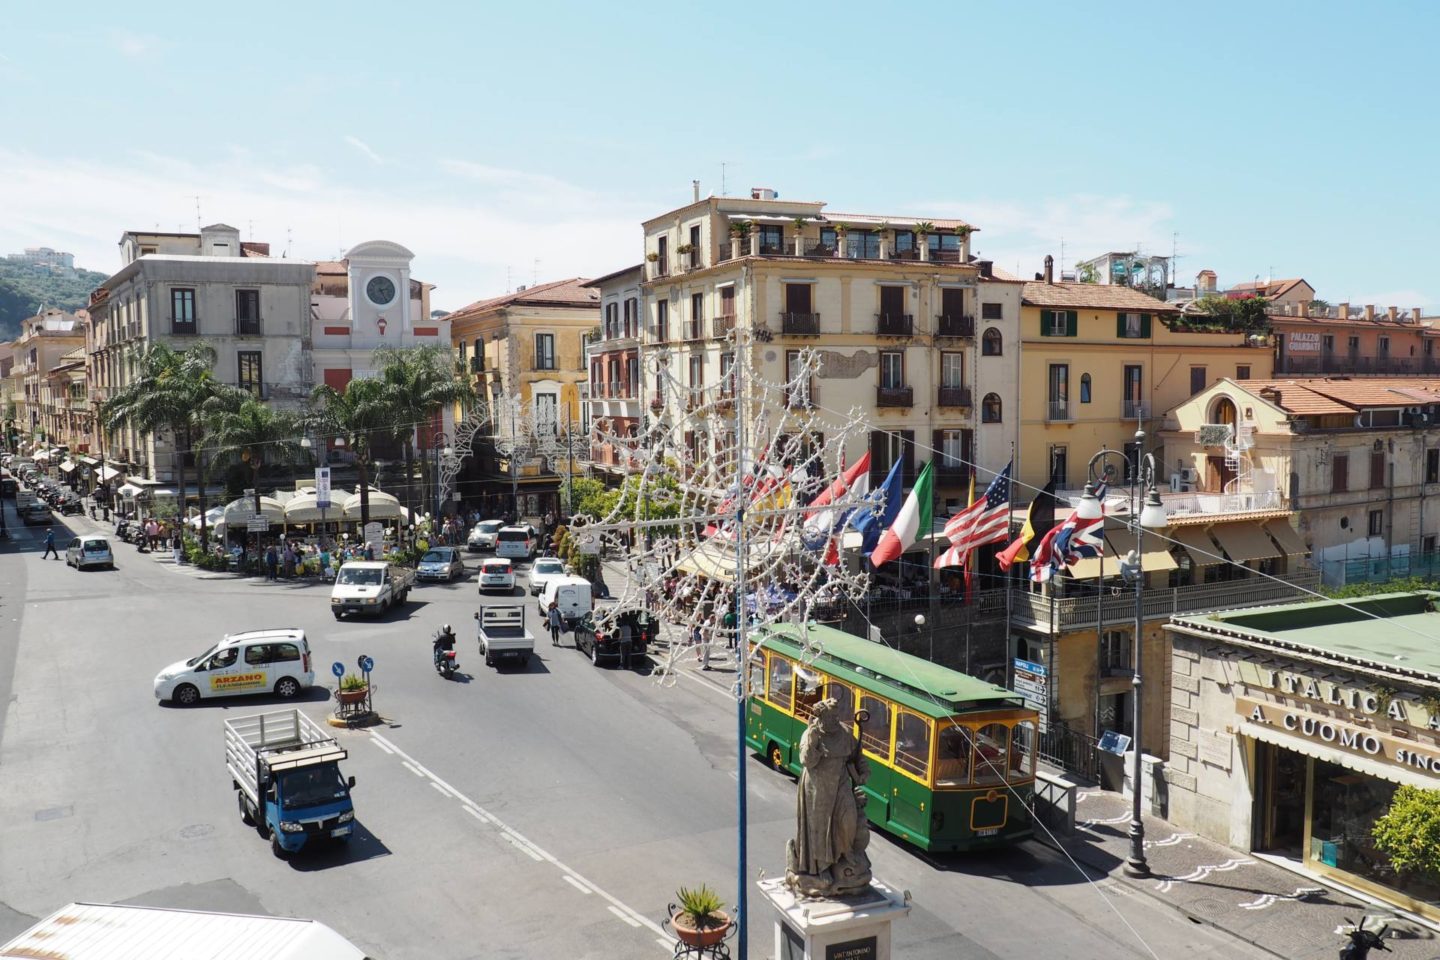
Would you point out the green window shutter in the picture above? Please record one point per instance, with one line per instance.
(1044, 323)
(1145, 325)
(1072, 323)
(1120, 325)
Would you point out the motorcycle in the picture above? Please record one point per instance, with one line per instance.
(446, 663)
(1362, 941)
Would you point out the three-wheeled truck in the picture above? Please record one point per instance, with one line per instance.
(285, 769)
(500, 630)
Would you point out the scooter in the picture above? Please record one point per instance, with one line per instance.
(1362, 941)
(446, 664)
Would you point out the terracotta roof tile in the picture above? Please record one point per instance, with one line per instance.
(567, 293)
(1093, 295)
(1338, 395)
(1268, 288)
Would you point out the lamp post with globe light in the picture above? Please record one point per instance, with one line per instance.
(1151, 514)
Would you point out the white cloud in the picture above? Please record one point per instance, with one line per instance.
(133, 45)
(465, 234)
(364, 148)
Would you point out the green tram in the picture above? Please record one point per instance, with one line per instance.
(952, 758)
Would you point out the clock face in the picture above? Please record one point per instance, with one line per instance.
(380, 290)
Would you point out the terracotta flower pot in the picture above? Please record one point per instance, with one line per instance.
(708, 936)
(352, 696)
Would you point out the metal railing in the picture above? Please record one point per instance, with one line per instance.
(800, 324)
(894, 396)
(954, 325)
(1356, 363)
(1058, 614)
(894, 325)
(1057, 410)
(1070, 750)
(722, 325)
(247, 326)
(953, 473)
(694, 329)
(819, 248)
(954, 397)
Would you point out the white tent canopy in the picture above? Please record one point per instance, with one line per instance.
(302, 508)
(213, 517)
(383, 506)
(239, 512)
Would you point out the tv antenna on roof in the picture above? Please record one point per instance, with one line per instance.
(197, 212)
(723, 165)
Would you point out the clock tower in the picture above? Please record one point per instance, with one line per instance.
(381, 308)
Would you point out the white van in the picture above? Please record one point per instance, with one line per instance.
(258, 661)
(572, 593)
(515, 543)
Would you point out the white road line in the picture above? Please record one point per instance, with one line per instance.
(475, 813)
(382, 746)
(412, 768)
(443, 792)
(575, 883)
(707, 685)
(624, 916)
(616, 904)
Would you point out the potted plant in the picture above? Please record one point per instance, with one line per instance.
(699, 921)
(353, 689)
(653, 257)
(924, 228)
(685, 248)
(740, 229)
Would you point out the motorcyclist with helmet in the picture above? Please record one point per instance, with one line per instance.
(444, 642)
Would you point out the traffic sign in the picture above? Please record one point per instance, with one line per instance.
(259, 523)
(365, 663)
(337, 668)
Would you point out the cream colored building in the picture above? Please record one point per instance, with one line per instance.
(896, 317)
(43, 340)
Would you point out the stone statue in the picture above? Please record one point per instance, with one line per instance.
(827, 857)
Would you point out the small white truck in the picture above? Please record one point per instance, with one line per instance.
(285, 769)
(370, 586)
(500, 629)
(112, 931)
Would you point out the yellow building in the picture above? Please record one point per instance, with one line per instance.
(1098, 361)
(529, 345)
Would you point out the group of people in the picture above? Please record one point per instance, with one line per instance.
(291, 558)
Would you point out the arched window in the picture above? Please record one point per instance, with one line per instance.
(991, 343)
(990, 408)
(1223, 411)
(1084, 388)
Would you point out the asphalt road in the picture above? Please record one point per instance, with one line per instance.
(543, 812)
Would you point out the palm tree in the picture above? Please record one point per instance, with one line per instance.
(168, 392)
(358, 413)
(244, 430)
(419, 382)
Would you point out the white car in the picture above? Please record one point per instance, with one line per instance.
(257, 661)
(497, 574)
(483, 536)
(545, 570)
(90, 551)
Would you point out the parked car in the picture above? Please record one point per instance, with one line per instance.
(257, 661)
(598, 644)
(482, 537)
(571, 593)
(441, 563)
(497, 573)
(90, 551)
(36, 514)
(543, 571)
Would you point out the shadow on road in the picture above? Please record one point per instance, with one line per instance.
(315, 694)
(363, 845)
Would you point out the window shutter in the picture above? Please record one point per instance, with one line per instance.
(1120, 330)
(878, 466)
(1072, 323)
(1045, 323)
(907, 454)
(1145, 325)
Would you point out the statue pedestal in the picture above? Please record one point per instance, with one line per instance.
(842, 928)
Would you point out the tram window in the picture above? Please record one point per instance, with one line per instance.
(1022, 751)
(875, 731)
(844, 699)
(778, 691)
(912, 744)
(807, 692)
(952, 765)
(992, 744)
(757, 673)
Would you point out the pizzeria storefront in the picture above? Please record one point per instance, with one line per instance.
(1296, 731)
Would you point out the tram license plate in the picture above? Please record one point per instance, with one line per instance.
(987, 833)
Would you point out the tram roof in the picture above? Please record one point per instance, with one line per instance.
(910, 681)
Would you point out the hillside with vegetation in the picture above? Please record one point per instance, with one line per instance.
(24, 291)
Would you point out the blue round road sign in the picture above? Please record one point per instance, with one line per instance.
(366, 664)
(337, 668)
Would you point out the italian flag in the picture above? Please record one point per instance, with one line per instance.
(915, 518)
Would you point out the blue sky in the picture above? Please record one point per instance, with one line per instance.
(1273, 139)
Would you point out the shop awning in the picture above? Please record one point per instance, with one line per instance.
(1244, 541)
(1351, 761)
(1156, 558)
(107, 474)
(1198, 544)
(1287, 537)
(67, 466)
(89, 461)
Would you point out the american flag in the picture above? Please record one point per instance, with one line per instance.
(987, 520)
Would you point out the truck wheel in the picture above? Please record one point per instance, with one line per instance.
(245, 817)
(275, 848)
(287, 688)
(185, 695)
(489, 660)
(595, 654)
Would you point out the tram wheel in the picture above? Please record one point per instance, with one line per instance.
(776, 756)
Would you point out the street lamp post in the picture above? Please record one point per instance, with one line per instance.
(1151, 514)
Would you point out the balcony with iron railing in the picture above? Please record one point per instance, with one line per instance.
(693, 329)
(659, 268)
(894, 325)
(247, 326)
(954, 325)
(722, 326)
(1131, 410)
(1059, 614)
(800, 324)
(952, 474)
(1353, 363)
(894, 396)
(1057, 411)
(954, 397)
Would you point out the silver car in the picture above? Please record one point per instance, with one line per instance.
(483, 536)
(90, 551)
(441, 563)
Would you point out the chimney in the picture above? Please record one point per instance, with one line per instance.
(1049, 269)
(695, 190)
(1205, 282)
(1393, 313)
(1414, 314)
(1344, 311)
(1369, 313)
(987, 272)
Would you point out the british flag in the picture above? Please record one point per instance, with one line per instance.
(1068, 542)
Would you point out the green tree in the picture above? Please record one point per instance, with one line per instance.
(167, 393)
(359, 413)
(244, 431)
(1244, 315)
(585, 495)
(1409, 832)
(419, 382)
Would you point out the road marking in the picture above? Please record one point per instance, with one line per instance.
(1270, 899)
(707, 685)
(616, 904)
(624, 916)
(1086, 824)
(443, 792)
(383, 747)
(475, 813)
(1171, 840)
(413, 768)
(1201, 872)
(523, 847)
(575, 883)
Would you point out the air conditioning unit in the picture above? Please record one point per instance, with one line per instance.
(1188, 475)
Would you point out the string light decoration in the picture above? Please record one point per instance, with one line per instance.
(723, 478)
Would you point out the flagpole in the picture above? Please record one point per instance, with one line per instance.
(1009, 578)
(742, 911)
